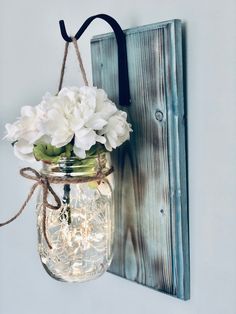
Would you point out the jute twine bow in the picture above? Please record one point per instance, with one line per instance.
(45, 182)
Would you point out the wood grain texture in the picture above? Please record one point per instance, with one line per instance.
(151, 238)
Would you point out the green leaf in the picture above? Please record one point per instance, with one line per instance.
(52, 154)
(48, 153)
(96, 149)
(69, 150)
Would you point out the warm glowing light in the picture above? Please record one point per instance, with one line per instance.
(80, 232)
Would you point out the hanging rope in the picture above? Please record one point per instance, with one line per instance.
(123, 75)
(63, 66)
(80, 61)
(82, 69)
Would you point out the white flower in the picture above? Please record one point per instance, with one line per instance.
(105, 108)
(76, 117)
(24, 133)
(117, 130)
(56, 124)
(83, 116)
(84, 139)
(24, 151)
(29, 124)
(26, 127)
(13, 131)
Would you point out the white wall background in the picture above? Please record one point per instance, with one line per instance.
(30, 56)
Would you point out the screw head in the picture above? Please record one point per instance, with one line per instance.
(159, 115)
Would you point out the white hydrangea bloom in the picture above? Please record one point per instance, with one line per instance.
(25, 132)
(83, 115)
(117, 130)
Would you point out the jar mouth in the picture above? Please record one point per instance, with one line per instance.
(75, 166)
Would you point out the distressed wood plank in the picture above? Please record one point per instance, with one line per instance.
(151, 237)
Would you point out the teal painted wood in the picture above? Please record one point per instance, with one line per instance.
(151, 238)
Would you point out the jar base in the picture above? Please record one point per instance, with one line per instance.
(76, 279)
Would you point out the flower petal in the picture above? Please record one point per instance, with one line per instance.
(96, 123)
(79, 152)
(85, 138)
(24, 147)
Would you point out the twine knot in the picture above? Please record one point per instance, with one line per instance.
(45, 182)
(41, 180)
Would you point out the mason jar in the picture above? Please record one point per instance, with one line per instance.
(80, 232)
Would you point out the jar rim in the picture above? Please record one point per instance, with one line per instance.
(74, 166)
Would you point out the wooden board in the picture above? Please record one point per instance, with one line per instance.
(151, 237)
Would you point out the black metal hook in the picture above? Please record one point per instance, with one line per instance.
(124, 90)
(63, 32)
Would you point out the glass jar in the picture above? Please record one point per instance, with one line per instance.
(81, 231)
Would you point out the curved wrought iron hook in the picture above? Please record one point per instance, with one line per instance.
(124, 90)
